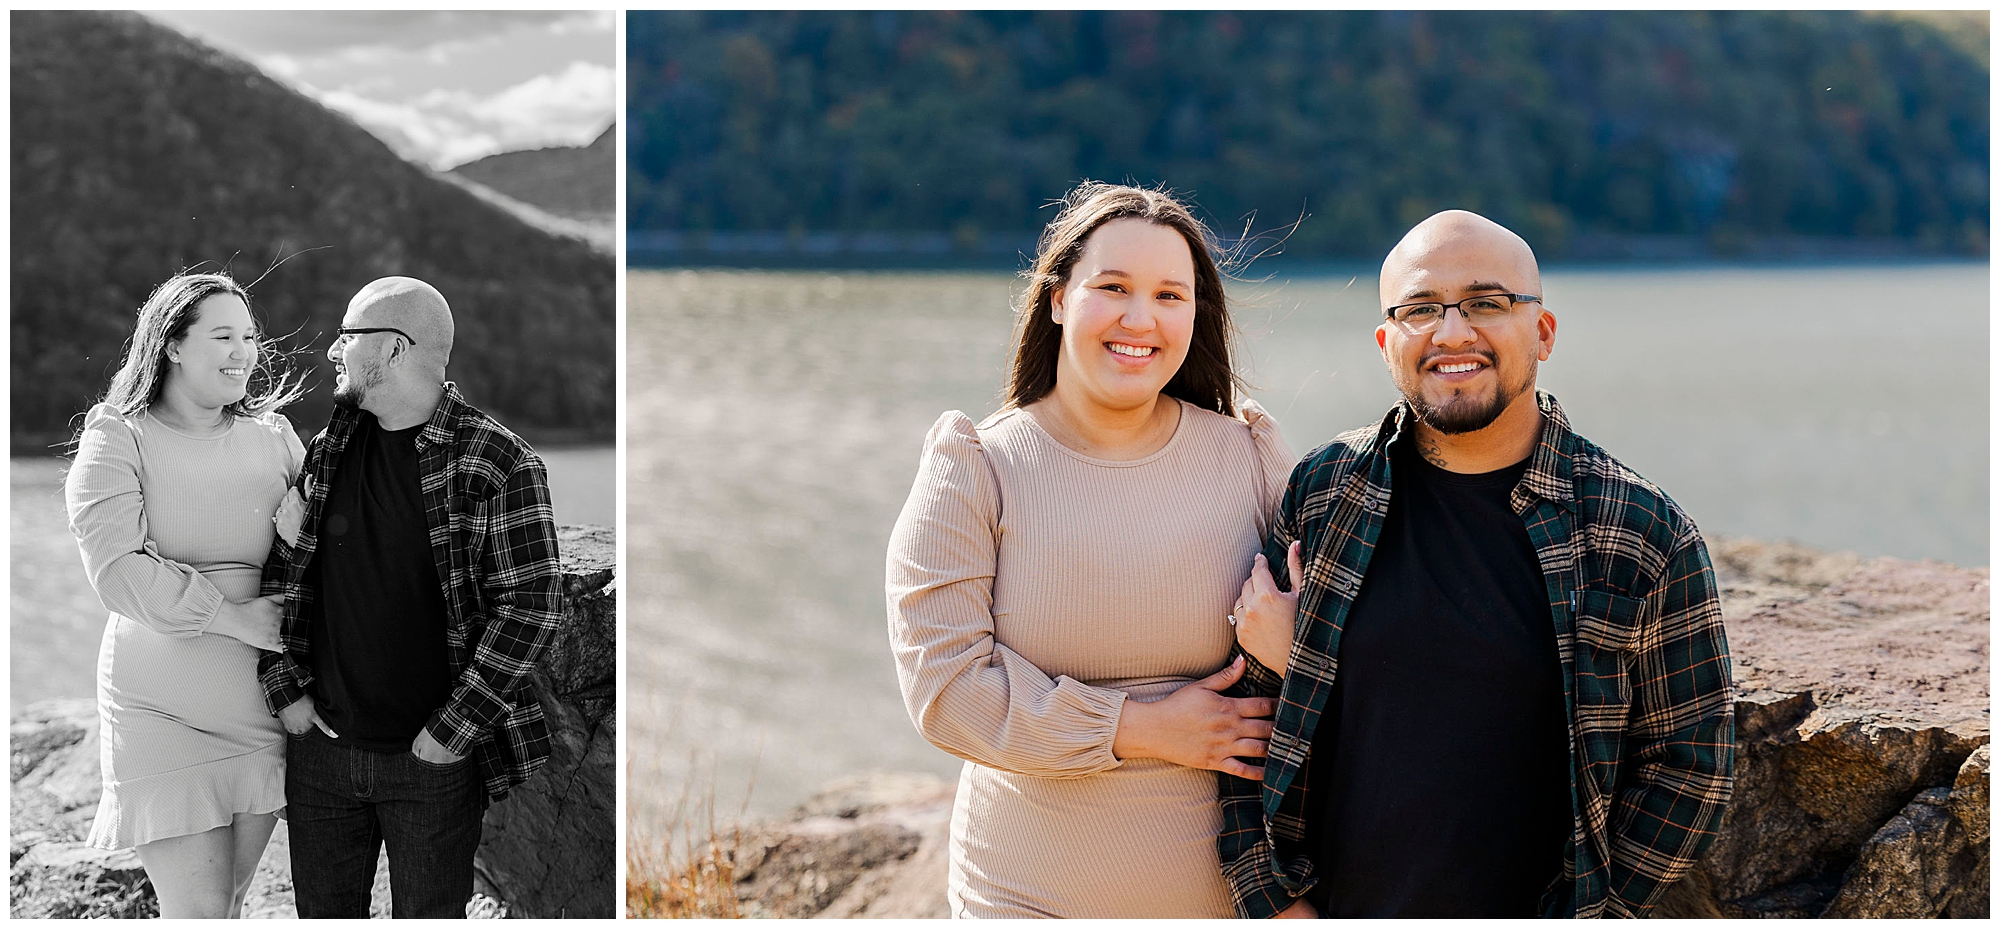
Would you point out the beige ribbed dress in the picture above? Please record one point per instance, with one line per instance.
(170, 525)
(1031, 591)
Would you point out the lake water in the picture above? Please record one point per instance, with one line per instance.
(55, 620)
(775, 421)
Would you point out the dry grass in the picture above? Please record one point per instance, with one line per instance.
(691, 872)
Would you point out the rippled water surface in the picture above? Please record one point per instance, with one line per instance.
(775, 421)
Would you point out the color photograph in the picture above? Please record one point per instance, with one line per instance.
(314, 508)
(1241, 464)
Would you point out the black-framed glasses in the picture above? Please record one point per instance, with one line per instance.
(1483, 310)
(364, 330)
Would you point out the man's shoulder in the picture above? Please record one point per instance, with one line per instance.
(488, 446)
(1609, 491)
(1337, 458)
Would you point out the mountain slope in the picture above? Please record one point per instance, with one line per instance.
(569, 181)
(138, 152)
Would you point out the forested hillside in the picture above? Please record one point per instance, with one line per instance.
(578, 182)
(138, 152)
(1716, 127)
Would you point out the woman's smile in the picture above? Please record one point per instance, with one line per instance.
(1138, 353)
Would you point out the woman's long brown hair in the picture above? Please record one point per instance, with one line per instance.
(1206, 378)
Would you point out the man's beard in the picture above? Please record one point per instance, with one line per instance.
(350, 396)
(1462, 414)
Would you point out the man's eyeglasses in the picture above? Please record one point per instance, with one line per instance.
(346, 331)
(1483, 310)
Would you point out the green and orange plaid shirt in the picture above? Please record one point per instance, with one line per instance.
(493, 542)
(1644, 662)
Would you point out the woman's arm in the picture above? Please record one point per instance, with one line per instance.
(1264, 625)
(967, 693)
(108, 517)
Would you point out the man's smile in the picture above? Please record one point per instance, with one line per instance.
(1454, 369)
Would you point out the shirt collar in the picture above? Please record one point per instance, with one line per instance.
(444, 419)
(1549, 465)
(440, 428)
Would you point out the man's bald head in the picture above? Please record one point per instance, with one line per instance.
(414, 307)
(1419, 267)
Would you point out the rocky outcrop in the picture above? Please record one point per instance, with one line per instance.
(550, 848)
(1862, 729)
(1861, 723)
(53, 770)
(547, 850)
(874, 846)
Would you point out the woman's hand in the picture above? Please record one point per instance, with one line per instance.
(1267, 616)
(291, 516)
(252, 622)
(1198, 727)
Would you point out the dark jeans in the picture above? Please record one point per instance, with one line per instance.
(342, 803)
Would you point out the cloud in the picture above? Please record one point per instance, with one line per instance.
(574, 100)
(308, 33)
(440, 88)
(444, 128)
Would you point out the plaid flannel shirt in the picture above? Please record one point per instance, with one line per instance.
(1638, 628)
(493, 541)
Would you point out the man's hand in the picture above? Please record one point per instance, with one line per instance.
(300, 717)
(431, 750)
(1267, 616)
(1299, 909)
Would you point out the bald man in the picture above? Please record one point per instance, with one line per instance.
(421, 588)
(1502, 682)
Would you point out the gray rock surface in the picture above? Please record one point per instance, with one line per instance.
(550, 848)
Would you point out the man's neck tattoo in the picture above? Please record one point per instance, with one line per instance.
(1429, 447)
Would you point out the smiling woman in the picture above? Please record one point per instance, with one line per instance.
(1059, 579)
(178, 475)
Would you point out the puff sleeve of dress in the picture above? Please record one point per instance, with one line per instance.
(295, 450)
(107, 514)
(967, 693)
(1275, 461)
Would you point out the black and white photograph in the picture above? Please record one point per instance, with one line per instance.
(314, 479)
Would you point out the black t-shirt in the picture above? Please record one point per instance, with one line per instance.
(379, 615)
(1440, 766)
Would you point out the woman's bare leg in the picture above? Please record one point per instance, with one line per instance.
(207, 875)
(251, 833)
(191, 874)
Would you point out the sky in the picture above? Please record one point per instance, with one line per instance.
(443, 87)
